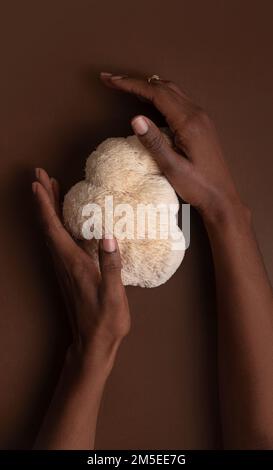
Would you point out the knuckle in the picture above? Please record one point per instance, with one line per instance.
(160, 91)
(196, 122)
(171, 85)
(112, 266)
(155, 142)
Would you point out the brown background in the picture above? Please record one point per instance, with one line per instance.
(163, 390)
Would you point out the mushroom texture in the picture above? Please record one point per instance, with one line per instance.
(122, 170)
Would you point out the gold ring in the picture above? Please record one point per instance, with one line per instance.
(153, 77)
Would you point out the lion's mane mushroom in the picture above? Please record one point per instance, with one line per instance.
(124, 169)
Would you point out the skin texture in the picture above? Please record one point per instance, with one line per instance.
(198, 172)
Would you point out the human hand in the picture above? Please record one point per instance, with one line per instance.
(96, 301)
(195, 166)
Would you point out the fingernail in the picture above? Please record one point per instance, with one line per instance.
(140, 125)
(109, 245)
(37, 172)
(34, 187)
(105, 74)
(118, 77)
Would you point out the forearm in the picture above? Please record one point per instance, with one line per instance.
(199, 174)
(70, 422)
(245, 332)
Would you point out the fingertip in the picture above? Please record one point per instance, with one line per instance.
(43, 172)
(37, 191)
(34, 187)
(106, 79)
(37, 172)
(109, 245)
(140, 125)
(117, 77)
(110, 262)
(54, 182)
(42, 175)
(40, 192)
(105, 74)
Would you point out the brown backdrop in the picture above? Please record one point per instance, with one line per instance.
(163, 390)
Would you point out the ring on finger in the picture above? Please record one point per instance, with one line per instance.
(153, 77)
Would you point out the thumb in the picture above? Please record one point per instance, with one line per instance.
(110, 263)
(155, 142)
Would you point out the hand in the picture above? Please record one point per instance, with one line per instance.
(96, 301)
(195, 165)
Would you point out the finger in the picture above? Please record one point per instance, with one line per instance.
(174, 107)
(169, 84)
(175, 88)
(56, 193)
(110, 265)
(57, 236)
(45, 181)
(137, 86)
(107, 79)
(152, 138)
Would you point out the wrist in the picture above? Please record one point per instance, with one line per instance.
(94, 355)
(228, 213)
